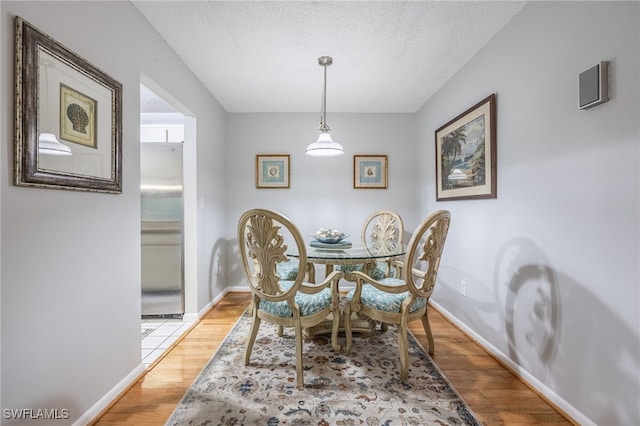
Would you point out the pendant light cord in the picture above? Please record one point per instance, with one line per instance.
(323, 119)
(325, 61)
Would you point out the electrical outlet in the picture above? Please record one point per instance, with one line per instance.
(463, 288)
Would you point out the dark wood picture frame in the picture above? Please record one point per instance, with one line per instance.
(42, 67)
(466, 154)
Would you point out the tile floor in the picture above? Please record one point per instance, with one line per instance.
(158, 334)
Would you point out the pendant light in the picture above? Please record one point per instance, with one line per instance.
(48, 143)
(324, 146)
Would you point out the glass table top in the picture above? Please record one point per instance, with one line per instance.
(354, 253)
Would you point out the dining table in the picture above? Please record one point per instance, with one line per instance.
(349, 256)
(346, 253)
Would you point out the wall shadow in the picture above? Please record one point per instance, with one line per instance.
(567, 338)
(234, 269)
(217, 279)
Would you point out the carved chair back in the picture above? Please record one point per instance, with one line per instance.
(262, 237)
(382, 231)
(424, 251)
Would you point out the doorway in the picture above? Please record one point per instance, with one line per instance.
(161, 207)
(167, 194)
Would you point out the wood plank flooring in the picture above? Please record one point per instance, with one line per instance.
(495, 395)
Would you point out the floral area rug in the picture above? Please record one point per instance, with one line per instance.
(361, 388)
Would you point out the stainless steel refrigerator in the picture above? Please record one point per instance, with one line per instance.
(162, 215)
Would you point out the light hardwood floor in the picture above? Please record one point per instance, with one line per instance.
(495, 395)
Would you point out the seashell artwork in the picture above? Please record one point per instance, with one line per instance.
(79, 117)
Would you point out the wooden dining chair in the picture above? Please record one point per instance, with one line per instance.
(264, 237)
(399, 301)
(381, 232)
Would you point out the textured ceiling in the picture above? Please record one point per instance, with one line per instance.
(388, 56)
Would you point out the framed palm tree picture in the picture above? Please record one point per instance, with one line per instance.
(466, 154)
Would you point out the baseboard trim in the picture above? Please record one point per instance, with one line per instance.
(99, 408)
(91, 416)
(552, 398)
(205, 310)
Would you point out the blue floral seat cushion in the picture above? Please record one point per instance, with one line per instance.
(377, 274)
(288, 271)
(386, 302)
(309, 303)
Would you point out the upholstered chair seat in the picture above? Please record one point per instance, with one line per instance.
(288, 271)
(385, 301)
(309, 304)
(381, 270)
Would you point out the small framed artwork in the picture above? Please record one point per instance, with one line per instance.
(370, 171)
(272, 171)
(68, 118)
(78, 118)
(466, 154)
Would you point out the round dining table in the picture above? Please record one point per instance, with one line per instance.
(341, 253)
(347, 254)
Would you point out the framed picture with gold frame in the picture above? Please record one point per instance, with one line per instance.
(272, 171)
(370, 171)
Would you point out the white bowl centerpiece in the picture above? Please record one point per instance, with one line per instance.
(329, 236)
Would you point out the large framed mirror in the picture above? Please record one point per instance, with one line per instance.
(68, 118)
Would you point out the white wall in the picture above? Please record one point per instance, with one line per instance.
(70, 261)
(552, 263)
(321, 192)
(211, 168)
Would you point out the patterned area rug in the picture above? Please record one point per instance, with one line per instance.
(360, 388)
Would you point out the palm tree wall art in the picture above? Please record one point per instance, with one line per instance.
(465, 163)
